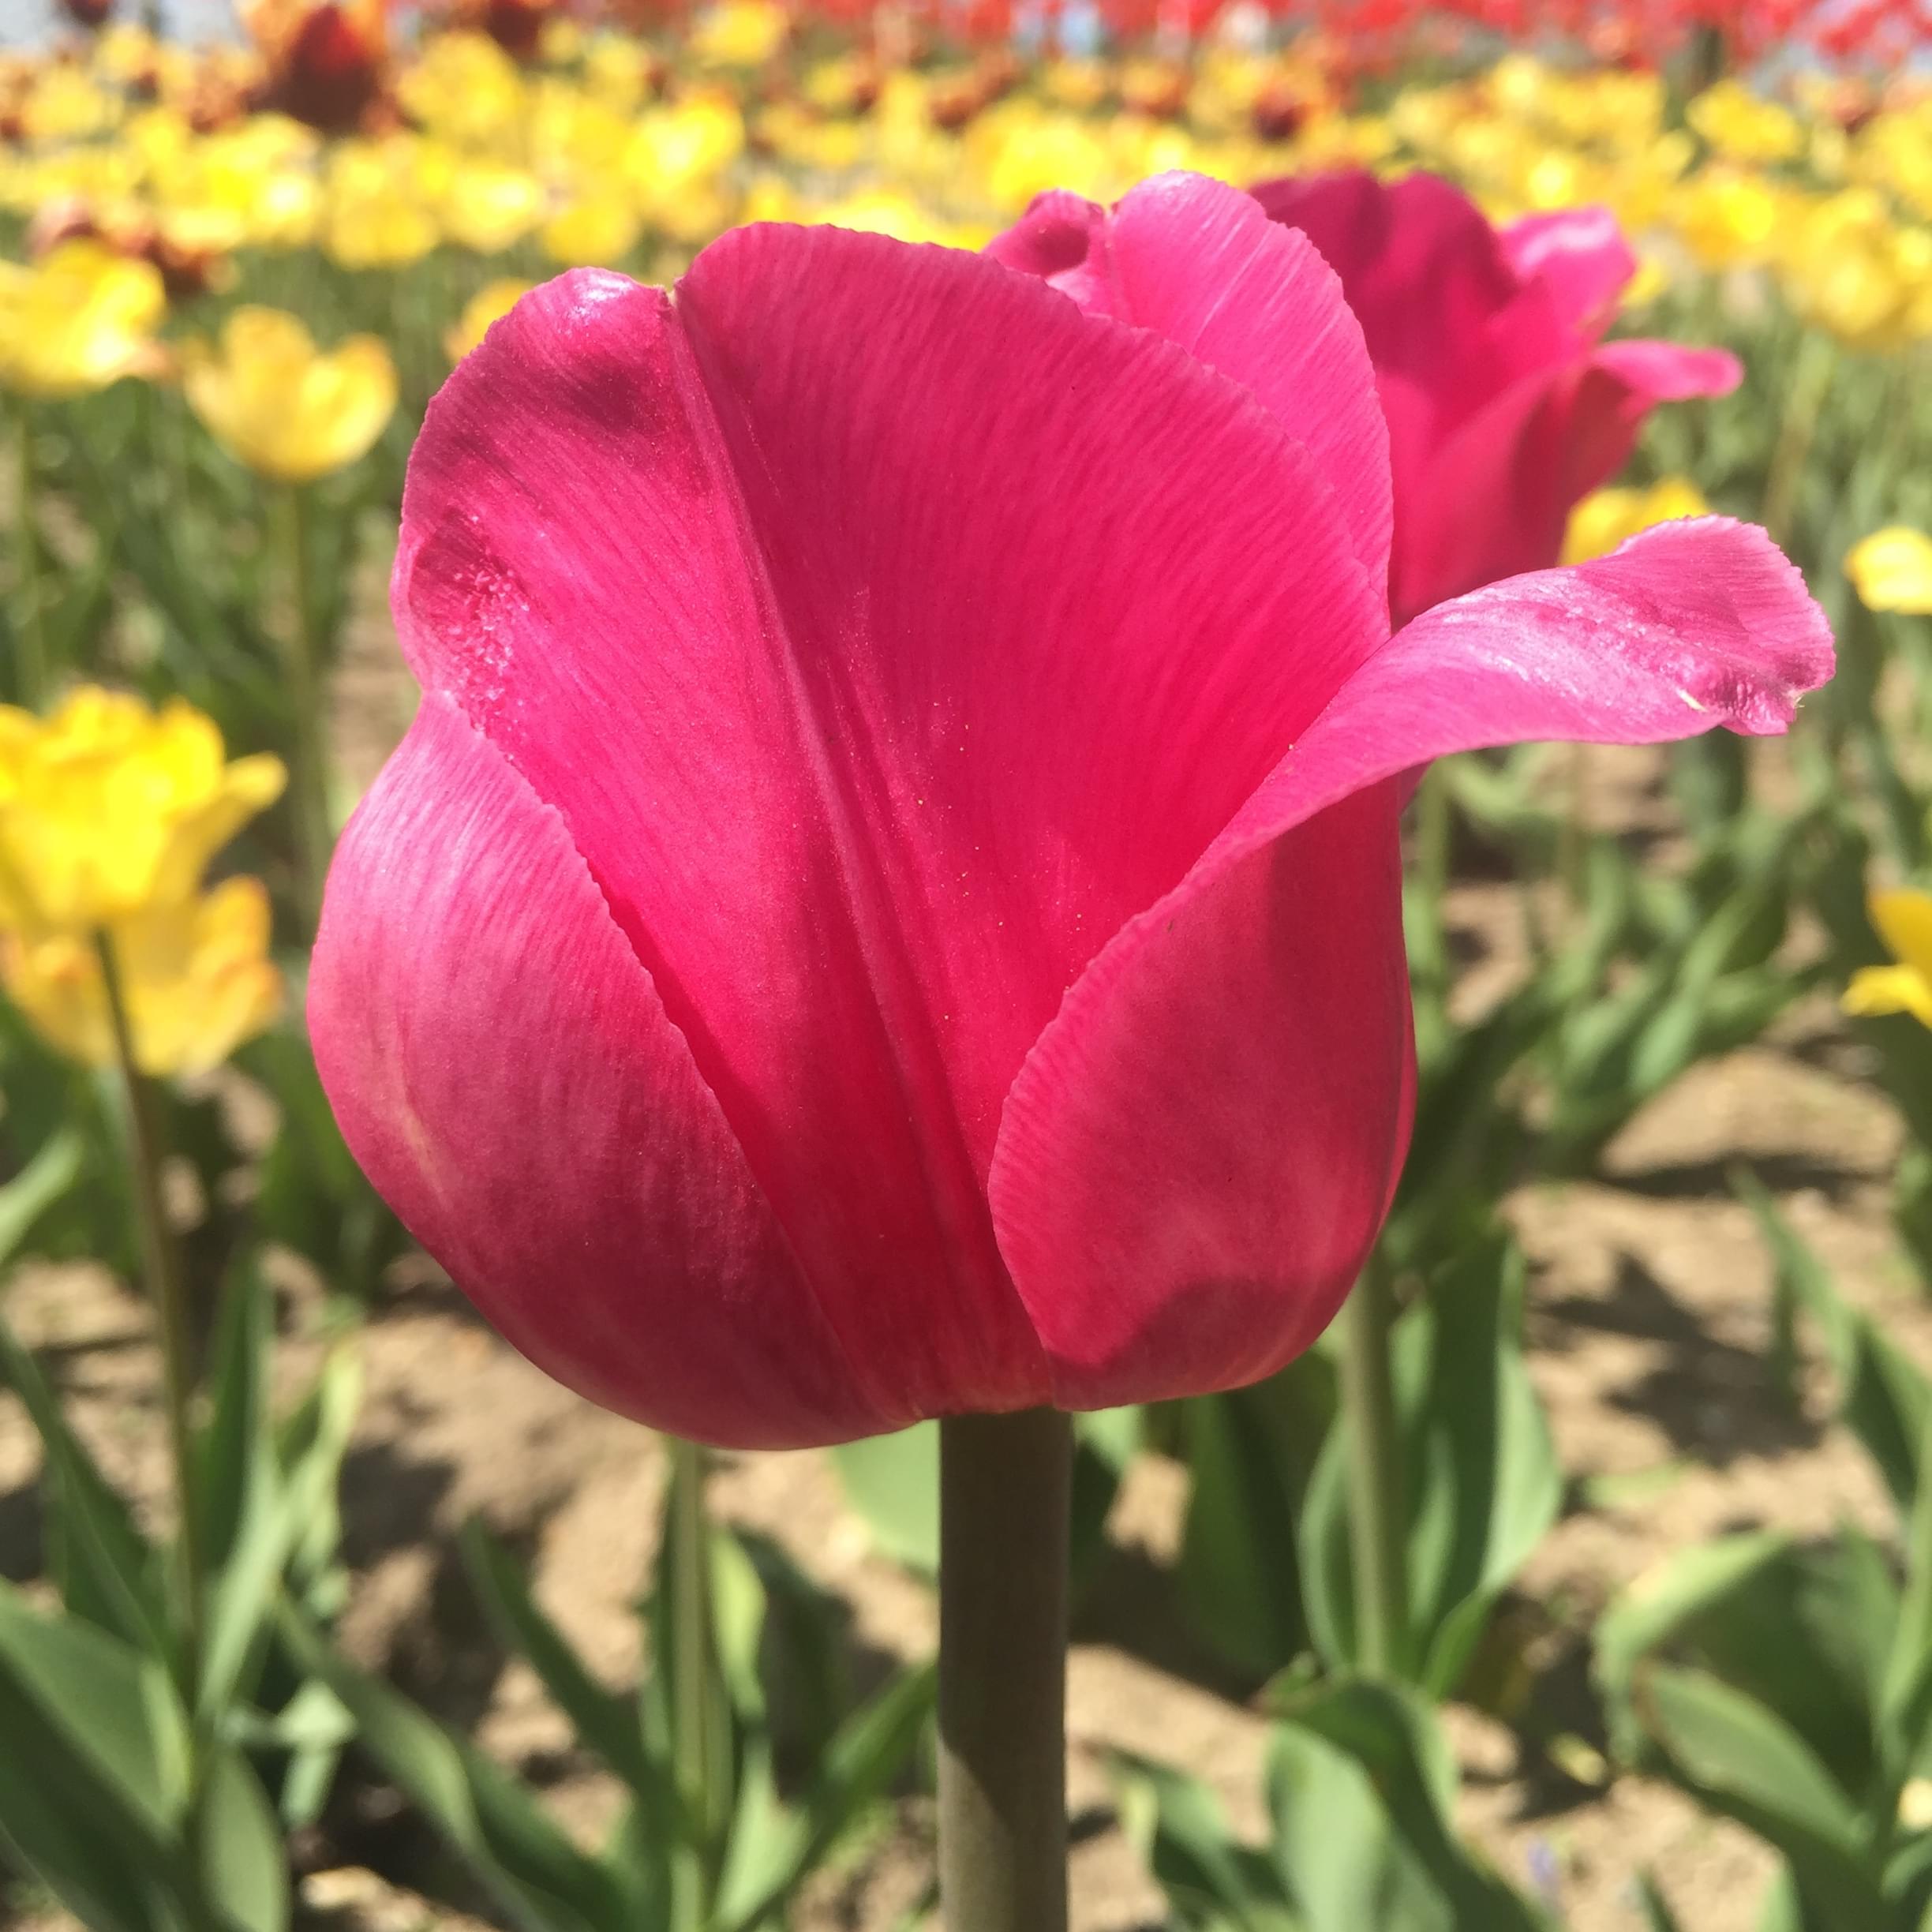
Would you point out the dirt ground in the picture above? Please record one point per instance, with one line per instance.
(1649, 1325)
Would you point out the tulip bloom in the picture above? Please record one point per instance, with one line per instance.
(1891, 570)
(108, 809)
(78, 319)
(1607, 517)
(1903, 919)
(196, 978)
(1504, 407)
(890, 905)
(489, 304)
(287, 409)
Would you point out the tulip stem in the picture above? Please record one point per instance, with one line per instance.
(31, 667)
(1378, 1520)
(1004, 1483)
(309, 776)
(698, 1722)
(167, 1288)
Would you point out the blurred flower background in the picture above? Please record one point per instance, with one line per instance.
(317, 1606)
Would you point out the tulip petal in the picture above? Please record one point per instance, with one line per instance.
(1109, 1152)
(884, 651)
(1200, 262)
(1904, 918)
(1533, 452)
(504, 1071)
(1388, 241)
(1578, 256)
(1194, 1161)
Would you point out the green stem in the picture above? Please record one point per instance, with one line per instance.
(1817, 362)
(1428, 956)
(308, 778)
(1005, 1484)
(1378, 1523)
(697, 1731)
(33, 670)
(167, 1288)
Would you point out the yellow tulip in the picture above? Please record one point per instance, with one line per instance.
(488, 207)
(673, 149)
(285, 408)
(596, 229)
(1892, 571)
(740, 33)
(1904, 918)
(1610, 517)
(379, 200)
(195, 981)
(107, 809)
(77, 320)
(464, 89)
(1726, 218)
(1851, 269)
(1743, 125)
(884, 211)
(489, 304)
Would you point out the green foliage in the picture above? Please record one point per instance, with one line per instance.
(1266, 1560)
(769, 1836)
(1360, 1785)
(1790, 1687)
(136, 1790)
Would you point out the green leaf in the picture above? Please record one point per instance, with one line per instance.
(1481, 1481)
(1654, 1610)
(1746, 1760)
(74, 1830)
(281, 1507)
(605, 1721)
(482, 1811)
(1658, 1917)
(1883, 1398)
(241, 1852)
(105, 1569)
(764, 1866)
(113, 1703)
(1392, 1736)
(235, 1451)
(1214, 1883)
(1335, 1846)
(1250, 1453)
(36, 1188)
(1904, 1697)
(1485, 1486)
(892, 1481)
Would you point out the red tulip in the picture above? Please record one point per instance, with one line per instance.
(890, 905)
(1505, 408)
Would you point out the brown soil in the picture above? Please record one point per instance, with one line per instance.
(1648, 1326)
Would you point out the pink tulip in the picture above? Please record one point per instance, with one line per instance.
(890, 906)
(1505, 408)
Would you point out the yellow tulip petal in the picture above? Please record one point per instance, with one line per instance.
(106, 808)
(1892, 571)
(1904, 919)
(196, 977)
(491, 303)
(283, 406)
(1889, 990)
(1608, 518)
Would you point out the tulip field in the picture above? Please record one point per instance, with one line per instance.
(967, 966)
